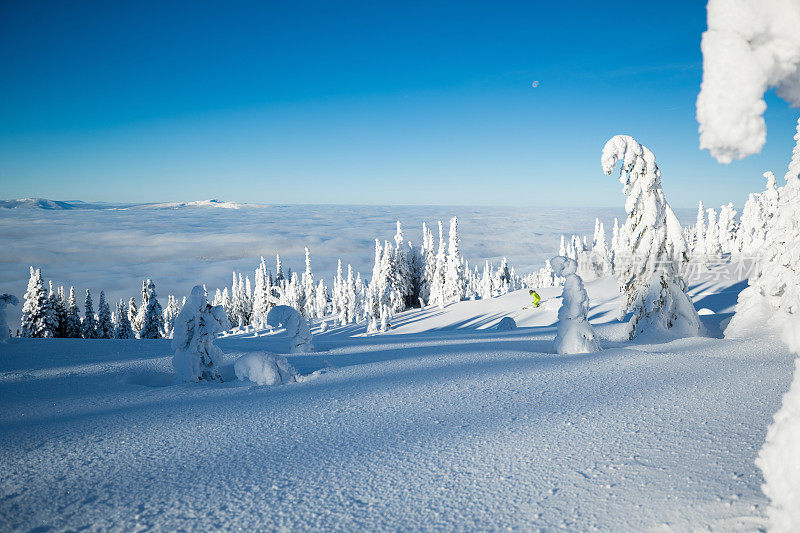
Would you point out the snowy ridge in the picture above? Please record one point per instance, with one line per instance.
(43, 203)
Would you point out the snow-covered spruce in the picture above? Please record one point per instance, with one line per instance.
(151, 315)
(38, 320)
(773, 292)
(651, 246)
(264, 368)
(507, 324)
(6, 300)
(105, 328)
(196, 327)
(89, 323)
(123, 329)
(296, 327)
(575, 334)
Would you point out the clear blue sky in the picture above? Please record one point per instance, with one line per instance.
(350, 102)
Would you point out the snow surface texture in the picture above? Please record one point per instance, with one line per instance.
(442, 424)
(575, 334)
(296, 327)
(652, 246)
(5, 301)
(102, 249)
(196, 327)
(750, 46)
(264, 368)
(507, 324)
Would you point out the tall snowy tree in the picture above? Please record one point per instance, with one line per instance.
(308, 300)
(699, 248)
(437, 296)
(150, 313)
(72, 322)
(170, 314)
(5, 300)
(403, 278)
(429, 267)
(712, 246)
(196, 327)
(655, 293)
(37, 317)
(105, 328)
(454, 273)
(133, 317)
(123, 329)
(89, 323)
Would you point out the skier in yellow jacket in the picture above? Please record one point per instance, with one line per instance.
(535, 296)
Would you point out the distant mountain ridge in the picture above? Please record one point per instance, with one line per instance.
(59, 205)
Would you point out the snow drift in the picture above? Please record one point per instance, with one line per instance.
(264, 368)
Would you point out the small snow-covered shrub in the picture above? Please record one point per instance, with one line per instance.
(264, 368)
(507, 324)
(296, 327)
(5, 300)
(575, 334)
(196, 327)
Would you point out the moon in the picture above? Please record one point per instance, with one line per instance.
(535, 84)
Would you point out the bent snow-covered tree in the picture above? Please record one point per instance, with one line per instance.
(575, 334)
(651, 246)
(196, 327)
(296, 327)
(5, 301)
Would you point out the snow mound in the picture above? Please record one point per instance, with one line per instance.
(296, 327)
(507, 324)
(264, 368)
(575, 334)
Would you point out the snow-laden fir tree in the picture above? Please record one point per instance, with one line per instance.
(133, 317)
(89, 323)
(170, 314)
(712, 246)
(105, 327)
(699, 245)
(72, 321)
(6, 300)
(37, 319)
(57, 311)
(196, 326)
(757, 217)
(151, 315)
(123, 328)
(61, 312)
(601, 255)
(308, 300)
(728, 228)
(437, 283)
(772, 297)
(261, 299)
(429, 265)
(655, 293)
(574, 334)
(321, 299)
(454, 272)
(401, 272)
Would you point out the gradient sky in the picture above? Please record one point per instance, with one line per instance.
(357, 102)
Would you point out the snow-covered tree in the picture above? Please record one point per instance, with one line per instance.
(296, 327)
(757, 217)
(133, 316)
(429, 268)
(105, 327)
(37, 317)
(402, 278)
(262, 300)
(123, 329)
(574, 334)
(170, 314)
(699, 246)
(196, 326)
(712, 248)
(6, 300)
(437, 283)
(151, 315)
(321, 299)
(654, 290)
(728, 228)
(89, 323)
(72, 324)
(454, 273)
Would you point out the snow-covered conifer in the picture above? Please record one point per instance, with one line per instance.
(133, 316)
(105, 328)
(454, 273)
(575, 334)
(89, 323)
(37, 319)
(654, 290)
(429, 270)
(123, 329)
(170, 314)
(320, 299)
(296, 326)
(308, 301)
(151, 315)
(196, 326)
(72, 321)
(401, 273)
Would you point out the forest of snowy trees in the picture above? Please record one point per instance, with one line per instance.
(403, 276)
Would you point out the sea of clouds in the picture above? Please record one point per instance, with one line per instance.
(115, 249)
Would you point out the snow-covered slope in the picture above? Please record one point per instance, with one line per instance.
(39, 203)
(445, 423)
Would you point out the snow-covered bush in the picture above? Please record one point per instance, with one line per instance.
(296, 327)
(5, 301)
(507, 324)
(196, 327)
(750, 46)
(651, 245)
(575, 334)
(264, 368)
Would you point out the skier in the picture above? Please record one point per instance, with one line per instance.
(535, 296)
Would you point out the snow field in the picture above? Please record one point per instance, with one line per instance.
(444, 423)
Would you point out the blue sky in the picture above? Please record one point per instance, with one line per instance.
(357, 102)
